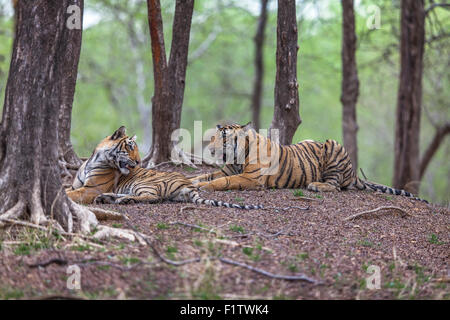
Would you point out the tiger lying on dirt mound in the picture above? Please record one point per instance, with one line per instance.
(317, 166)
(112, 175)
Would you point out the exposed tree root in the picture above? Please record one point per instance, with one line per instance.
(105, 232)
(103, 214)
(14, 213)
(86, 220)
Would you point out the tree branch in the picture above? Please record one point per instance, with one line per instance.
(439, 136)
(437, 5)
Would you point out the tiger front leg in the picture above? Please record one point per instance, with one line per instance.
(322, 187)
(114, 198)
(83, 195)
(206, 177)
(237, 182)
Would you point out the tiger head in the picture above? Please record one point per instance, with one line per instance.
(229, 142)
(118, 151)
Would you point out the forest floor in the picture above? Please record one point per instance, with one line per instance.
(411, 248)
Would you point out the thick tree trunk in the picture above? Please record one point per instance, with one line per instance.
(169, 77)
(30, 181)
(406, 163)
(350, 82)
(286, 117)
(259, 66)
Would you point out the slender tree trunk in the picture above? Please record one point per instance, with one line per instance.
(286, 117)
(259, 66)
(169, 77)
(30, 183)
(350, 82)
(68, 60)
(406, 163)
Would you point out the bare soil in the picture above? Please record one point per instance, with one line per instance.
(412, 250)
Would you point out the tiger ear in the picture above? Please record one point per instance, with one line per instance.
(219, 126)
(133, 138)
(119, 133)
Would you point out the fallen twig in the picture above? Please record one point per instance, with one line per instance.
(221, 259)
(58, 297)
(301, 277)
(86, 262)
(304, 199)
(192, 208)
(360, 214)
(286, 208)
(194, 226)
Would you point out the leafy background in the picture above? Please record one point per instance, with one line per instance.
(115, 81)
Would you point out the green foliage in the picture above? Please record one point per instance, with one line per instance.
(238, 229)
(115, 81)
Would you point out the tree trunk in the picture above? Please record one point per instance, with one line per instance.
(68, 60)
(350, 82)
(169, 78)
(286, 116)
(406, 163)
(30, 181)
(259, 66)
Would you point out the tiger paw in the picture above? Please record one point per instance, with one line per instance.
(126, 200)
(205, 186)
(106, 198)
(322, 187)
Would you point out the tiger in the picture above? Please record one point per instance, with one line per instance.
(320, 167)
(113, 175)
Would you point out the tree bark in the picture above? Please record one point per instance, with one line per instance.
(259, 66)
(350, 82)
(30, 183)
(407, 130)
(286, 117)
(169, 77)
(68, 58)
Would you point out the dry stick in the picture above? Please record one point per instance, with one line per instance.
(303, 199)
(59, 297)
(362, 172)
(63, 262)
(223, 260)
(194, 226)
(357, 215)
(192, 208)
(286, 208)
(269, 274)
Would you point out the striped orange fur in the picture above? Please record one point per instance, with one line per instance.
(307, 164)
(112, 175)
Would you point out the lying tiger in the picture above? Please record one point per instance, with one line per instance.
(112, 175)
(317, 166)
